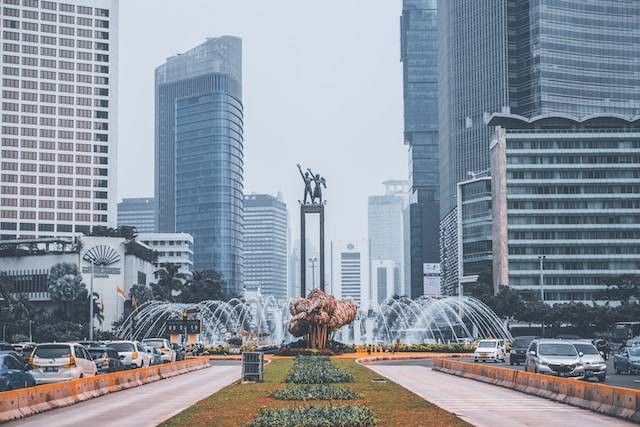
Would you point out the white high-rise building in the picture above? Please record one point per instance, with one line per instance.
(350, 271)
(59, 116)
(172, 248)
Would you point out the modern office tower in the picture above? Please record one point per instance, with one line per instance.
(265, 245)
(386, 228)
(385, 280)
(59, 117)
(565, 204)
(199, 154)
(528, 58)
(420, 83)
(350, 271)
(138, 212)
(172, 248)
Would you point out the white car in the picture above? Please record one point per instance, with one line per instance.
(168, 353)
(490, 350)
(132, 353)
(55, 362)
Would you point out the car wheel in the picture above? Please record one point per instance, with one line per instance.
(81, 375)
(475, 360)
(511, 362)
(602, 378)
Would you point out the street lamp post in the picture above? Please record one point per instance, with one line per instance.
(313, 262)
(91, 302)
(541, 259)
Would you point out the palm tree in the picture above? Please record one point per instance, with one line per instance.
(171, 283)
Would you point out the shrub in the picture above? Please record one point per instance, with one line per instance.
(425, 348)
(315, 392)
(316, 370)
(329, 416)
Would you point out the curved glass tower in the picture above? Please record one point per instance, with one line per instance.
(199, 154)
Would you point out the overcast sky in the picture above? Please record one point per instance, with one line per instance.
(322, 86)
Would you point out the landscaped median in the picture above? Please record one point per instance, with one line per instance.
(311, 391)
(617, 401)
(28, 401)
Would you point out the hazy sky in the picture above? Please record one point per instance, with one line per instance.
(322, 86)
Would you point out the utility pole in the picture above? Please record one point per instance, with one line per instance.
(91, 302)
(541, 259)
(313, 262)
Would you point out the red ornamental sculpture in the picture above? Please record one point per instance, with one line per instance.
(318, 315)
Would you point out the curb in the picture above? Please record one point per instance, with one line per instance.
(24, 402)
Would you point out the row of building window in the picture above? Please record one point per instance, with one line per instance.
(60, 53)
(53, 87)
(52, 99)
(64, 193)
(51, 204)
(51, 157)
(65, 170)
(51, 216)
(68, 182)
(64, 7)
(52, 75)
(54, 29)
(51, 17)
(51, 133)
(52, 122)
(51, 145)
(29, 61)
(54, 111)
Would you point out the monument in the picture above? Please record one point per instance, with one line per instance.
(320, 314)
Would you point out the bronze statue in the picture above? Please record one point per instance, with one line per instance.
(317, 189)
(307, 185)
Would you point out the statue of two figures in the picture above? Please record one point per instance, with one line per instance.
(316, 195)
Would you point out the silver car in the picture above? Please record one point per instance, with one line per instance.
(594, 364)
(554, 357)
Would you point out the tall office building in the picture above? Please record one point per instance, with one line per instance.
(265, 245)
(59, 116)
(199, 153)
(528, 58)
(350, 271)
(420, 83)
(386, 231)
(138, 212)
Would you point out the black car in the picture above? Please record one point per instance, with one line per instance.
(519, 346)
(106, 359)
(13, 374)
(181, 353)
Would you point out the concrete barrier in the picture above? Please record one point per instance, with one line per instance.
(606, 399)
(408, 356)
(33, 400)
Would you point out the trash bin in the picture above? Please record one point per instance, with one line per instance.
(252, 366)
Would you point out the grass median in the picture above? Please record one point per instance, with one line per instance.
(238, 404)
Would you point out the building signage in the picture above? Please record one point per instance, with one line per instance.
(102, 257)
(177, 326)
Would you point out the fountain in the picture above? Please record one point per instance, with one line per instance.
(266, 321)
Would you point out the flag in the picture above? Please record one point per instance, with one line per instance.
(121, 293)
(134, 302)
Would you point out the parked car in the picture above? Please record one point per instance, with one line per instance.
(627, 360)
(181, 353)
(13, 374)
(154, 354)
(56, 362)
(554, 357)
(7, 348)
(593, 361)
(490, 350)
(132, 353)
(168, 353)
(107, 359)
(519, 347)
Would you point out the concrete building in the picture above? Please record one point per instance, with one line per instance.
(419, 56)
(118, 263)
(199, 154)
(350, 271)
(172, 248)
(59, 117)
(385, 280)
(138, 212)
(565, 204)
(265, 245)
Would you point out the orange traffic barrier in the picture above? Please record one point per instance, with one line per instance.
(617, 401)
(28, 401)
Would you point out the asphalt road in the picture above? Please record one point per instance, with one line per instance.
(147, 405)
(622, 380)
(487, 405)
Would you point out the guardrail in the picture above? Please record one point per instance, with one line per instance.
(24, 402)
(606, 399)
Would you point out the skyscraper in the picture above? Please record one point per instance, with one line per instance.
(138, 212)
(199, 153)
(528, 58)
(420, 83)
(59, 116)
(265, 245)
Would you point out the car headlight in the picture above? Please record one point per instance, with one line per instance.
(512, 352)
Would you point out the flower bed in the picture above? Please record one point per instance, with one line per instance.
(418, 348)
(342, 416)
(316, 370)
(315, 392)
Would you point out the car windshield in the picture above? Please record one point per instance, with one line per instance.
(488, 344)
(52, 351)
(97, 353)
(522, 341)
(154, 343)
(557, 349)
(634, 351)
(122, 347)
(586, 348)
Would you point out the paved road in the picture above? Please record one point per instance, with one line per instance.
(622, 380)
(487, 405)
(147, 405)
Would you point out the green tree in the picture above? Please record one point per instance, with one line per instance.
(170, 284)
(507, 302)
(203, 286)
(65, 286)
(141, 293)
(483, 288)
(624, 288)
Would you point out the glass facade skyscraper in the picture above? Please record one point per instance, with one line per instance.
(420, 84)
(199, 154)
